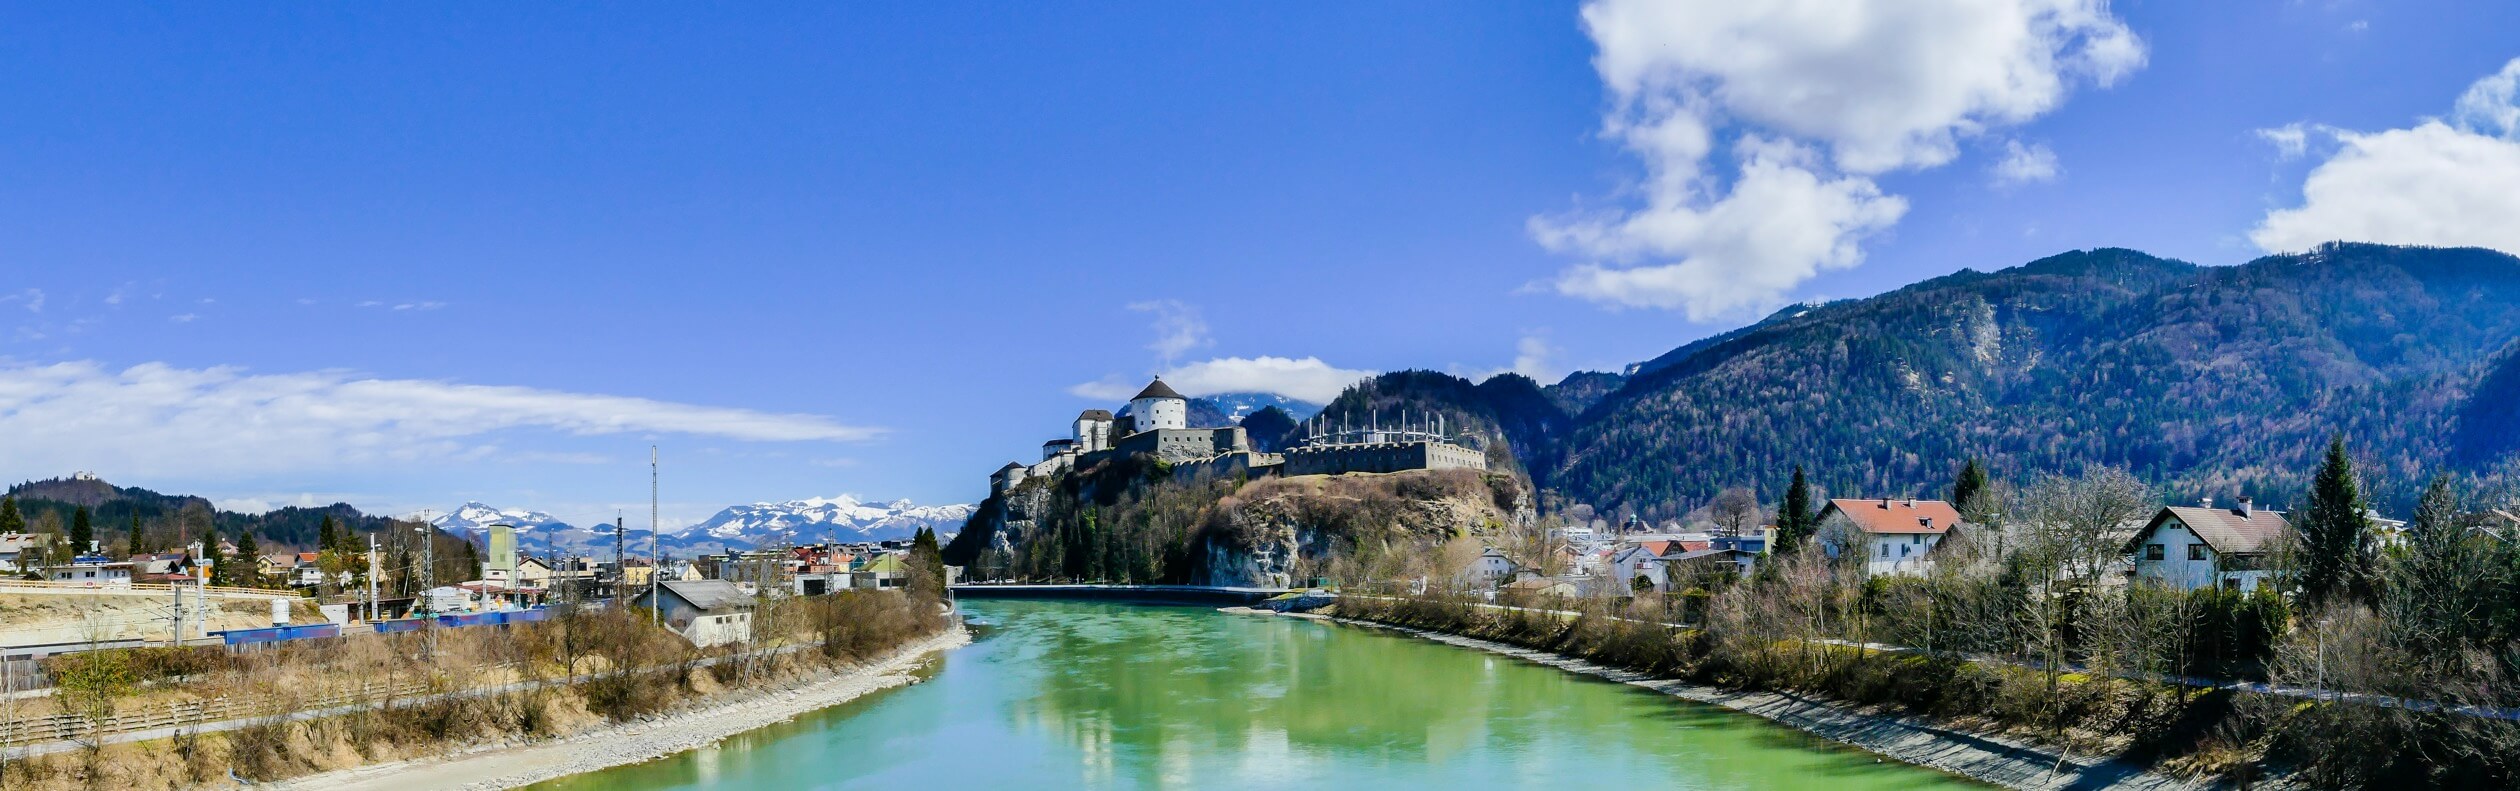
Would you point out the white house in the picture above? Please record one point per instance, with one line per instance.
(1638, 560)
(2191, 548)
(1895, 536)
(705, 612)
(92, 571)
(20, 550)
(1491, 568)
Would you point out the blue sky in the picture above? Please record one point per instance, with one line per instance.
(413, 256)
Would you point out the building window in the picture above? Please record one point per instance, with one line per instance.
(2152, 552)
(2196, 551)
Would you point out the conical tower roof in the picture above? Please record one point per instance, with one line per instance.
(1157, 389)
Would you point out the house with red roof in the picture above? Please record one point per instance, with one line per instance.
(1896, 536)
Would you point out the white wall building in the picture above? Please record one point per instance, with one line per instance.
(1895, 536)
(2191, 548)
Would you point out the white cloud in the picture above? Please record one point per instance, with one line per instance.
(1533, 357)
(263, 504)
(1178, 327)
(1781, 225)
(155, 419)
(2025, 164)
(32, 298)
(1307, 379)
(2444, 183)
(1878, 85)
(420, 306)
(2492, 105)
(2290, 140)
(183, 318)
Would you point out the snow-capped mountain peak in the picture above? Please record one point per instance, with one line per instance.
(474, 517)
(824, 519)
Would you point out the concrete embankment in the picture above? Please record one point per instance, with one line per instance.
(513, 766)
(1991, 758)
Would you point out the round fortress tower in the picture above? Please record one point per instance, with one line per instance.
(1158, 407)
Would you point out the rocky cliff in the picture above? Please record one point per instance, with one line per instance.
(1129, 522)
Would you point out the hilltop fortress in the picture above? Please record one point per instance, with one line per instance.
(1157, 425)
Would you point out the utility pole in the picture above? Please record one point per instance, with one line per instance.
(621, 569)
(176, 637)
(653, 568)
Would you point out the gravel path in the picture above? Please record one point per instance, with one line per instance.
(511, 766)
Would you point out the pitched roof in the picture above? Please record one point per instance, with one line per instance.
(1732, 555)
(1683, 547)
(1157, 389)
(1097, 414)
(2225, 529)
(709, 594)
(1897, 516)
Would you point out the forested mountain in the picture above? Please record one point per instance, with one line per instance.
(2213, 381)
(168, 520)
(1582, 389)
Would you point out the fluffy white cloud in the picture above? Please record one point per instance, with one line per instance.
(1878, 85)
(2492, 105)
(1178, 327)
(1307, 379)
(2445, 183)
(1781, 224)
(2025, 164)
(155, 419)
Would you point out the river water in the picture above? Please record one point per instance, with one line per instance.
(1073, 695)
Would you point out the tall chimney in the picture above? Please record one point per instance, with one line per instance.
(2206, 503)
(2245, 506)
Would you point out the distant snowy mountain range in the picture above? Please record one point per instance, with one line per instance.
(814, 520)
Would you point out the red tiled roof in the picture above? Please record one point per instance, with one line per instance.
(1933, 517)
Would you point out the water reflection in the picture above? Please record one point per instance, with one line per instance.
(1078, 695)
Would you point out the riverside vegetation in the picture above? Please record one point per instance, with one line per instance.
(433, 693)
(2385, 665)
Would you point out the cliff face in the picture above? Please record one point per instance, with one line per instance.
(1284, 532)
(1131, 523)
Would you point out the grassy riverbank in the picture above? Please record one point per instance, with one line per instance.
(436, 694)
(2169, 729)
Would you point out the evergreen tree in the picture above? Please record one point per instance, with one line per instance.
(132, 542)
(1796, 521)
(248, 560)
(81, 531)
(472, 561)
(325, 540)
(1965, 489)
(11, 521)
(221, 571)
(929, 582)
(2335, 535)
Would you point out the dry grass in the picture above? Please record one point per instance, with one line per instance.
(578, 651)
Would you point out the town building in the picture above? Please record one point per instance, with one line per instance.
(1896, 536)
(1490, 569)
(705, 612)
(92, 570)
(2203, 546)
(23, 551)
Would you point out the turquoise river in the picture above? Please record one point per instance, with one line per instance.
(1061, 695)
